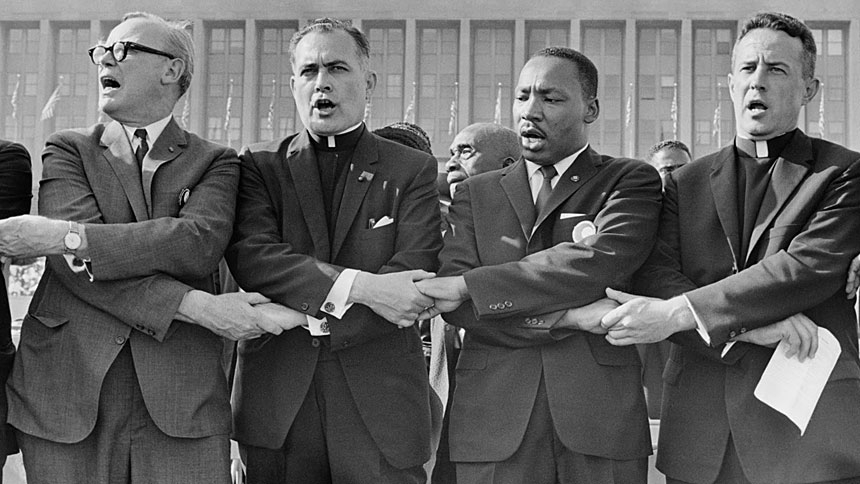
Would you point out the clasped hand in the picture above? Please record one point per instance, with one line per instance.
(403, 298)
(27, 236)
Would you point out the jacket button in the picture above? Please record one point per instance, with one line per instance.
(329, 307)
(743, 330)
(493, 306)
(119, 340)
(305, 306)
(345, 343)
(508, 304)
(315, 342)
(732, 334)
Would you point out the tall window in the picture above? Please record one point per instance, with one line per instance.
(275, 105)
(831, 67)
(545, 34)
(657, 86)
(387, 46)
(225, 76)
(21, 83)
(712, 61)
(603, 43)
(492, 72)
(438, 58)
(74, 75)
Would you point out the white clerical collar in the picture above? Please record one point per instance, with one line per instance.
(560, 167)
(153, 131)
(330, 140)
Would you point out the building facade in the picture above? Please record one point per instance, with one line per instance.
(440, 64)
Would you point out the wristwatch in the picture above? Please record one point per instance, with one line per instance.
(72, 239)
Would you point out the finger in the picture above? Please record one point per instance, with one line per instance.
(619, 341)
(418, 275)
(792, 341)
(619, 296)
(252, 297)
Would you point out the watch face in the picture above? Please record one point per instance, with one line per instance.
(72, 241)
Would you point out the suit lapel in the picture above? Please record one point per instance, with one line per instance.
(579, 172)
(169, 145)
(120, 158)
(302, 163)
(724, 187)
(515, 184)
(788, 171)
(363, 159)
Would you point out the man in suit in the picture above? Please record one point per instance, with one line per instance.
(760, 231)
(549, 232)
(118, 377)
(16, 181)
(337, 223)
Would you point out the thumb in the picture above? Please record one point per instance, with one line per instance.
(254, 298)
(419, 275)
(619, 296)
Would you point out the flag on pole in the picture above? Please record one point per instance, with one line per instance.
(497, 115)
(368, 111)
(48, 110)
(821, 124)
(227, 114)
(270, 117)
(186, 111)
(717, 131)
(452, 120)
(410, 109)
(14, 100)
(629, 111)
(674, 111)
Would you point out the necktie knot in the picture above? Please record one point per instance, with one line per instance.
(549, 172)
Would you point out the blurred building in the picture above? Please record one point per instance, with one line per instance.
(442, 64)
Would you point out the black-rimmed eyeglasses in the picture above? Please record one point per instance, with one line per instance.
(120, 51)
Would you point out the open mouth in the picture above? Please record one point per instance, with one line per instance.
(324, 105)
(756, 106)
(531, 133)
(109, 83)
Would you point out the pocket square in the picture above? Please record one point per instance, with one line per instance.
(386, 220)
(570, 215)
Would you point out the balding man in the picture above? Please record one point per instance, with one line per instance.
(119, 377)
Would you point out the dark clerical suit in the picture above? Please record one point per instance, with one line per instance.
(283, 248)
(799, 241)
(511, 368)
(16, 185)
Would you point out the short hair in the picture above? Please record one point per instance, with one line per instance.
(177, 42)
(669, 144)
(327, 24)
(407, 134)
(506, 140)
(586, 69)
(791, 26)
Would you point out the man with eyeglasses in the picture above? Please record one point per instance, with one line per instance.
(119, 375)
(667, 156)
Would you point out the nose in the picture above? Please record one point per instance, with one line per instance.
(530, 109)
(453, 162)
(106, 60)
(757, 80)
(323, 83)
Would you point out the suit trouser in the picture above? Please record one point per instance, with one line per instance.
(543, 459)
(125, 445)
(328, 442)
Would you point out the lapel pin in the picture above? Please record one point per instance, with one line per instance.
(170, 149)
(365, 176)
(184, 195)
(574, 178)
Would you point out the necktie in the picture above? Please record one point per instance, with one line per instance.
(141, 150)
(549, 173)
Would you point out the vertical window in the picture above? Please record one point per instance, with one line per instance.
(712, 61)
(492, 72)
(438, 60)
(78, 77)
(225, 78)
(22, 82)
(387, 47)
(275, 105)
(657, 76)
(831, 67)
(603, 43)
(546, 34)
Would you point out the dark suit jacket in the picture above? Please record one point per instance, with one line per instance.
(147, 249)
(16, 181)
(281, 249)
(594, 389)
(807, 231)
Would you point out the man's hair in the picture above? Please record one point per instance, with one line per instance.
(586, 69)
(506, 140)
(669, 144)
(177, 42)
(791, 26)
(327, 24)
(407, 134)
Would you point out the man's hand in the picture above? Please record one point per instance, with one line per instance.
(645, 320)
(237, 315)
(798, 330)
(392, 296)
(587, 318)
(853, 278)
(32, 236)
(448, 294)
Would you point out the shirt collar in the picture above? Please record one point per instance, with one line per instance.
(153, 131)
(770, 148)
(337, 140)
(560, 166)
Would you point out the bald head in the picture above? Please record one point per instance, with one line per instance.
(479, 148)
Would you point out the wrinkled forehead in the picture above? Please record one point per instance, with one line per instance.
(140, 30)
(327, 47)
(771, 45)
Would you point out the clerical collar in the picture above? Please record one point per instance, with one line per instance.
(771, 148)
(343, 141)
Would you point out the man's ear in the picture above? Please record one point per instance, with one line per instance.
(508, 161)
(371, 83)
(592, 111)
(173, 72)
(810, 89)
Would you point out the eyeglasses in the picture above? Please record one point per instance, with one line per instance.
(120, 51)
(463, 152)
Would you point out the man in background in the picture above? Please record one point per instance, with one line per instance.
(667, 156)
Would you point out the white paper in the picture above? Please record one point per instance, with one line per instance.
(793, 388)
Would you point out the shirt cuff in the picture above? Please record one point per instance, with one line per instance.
(700, 328)
(335, 302)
